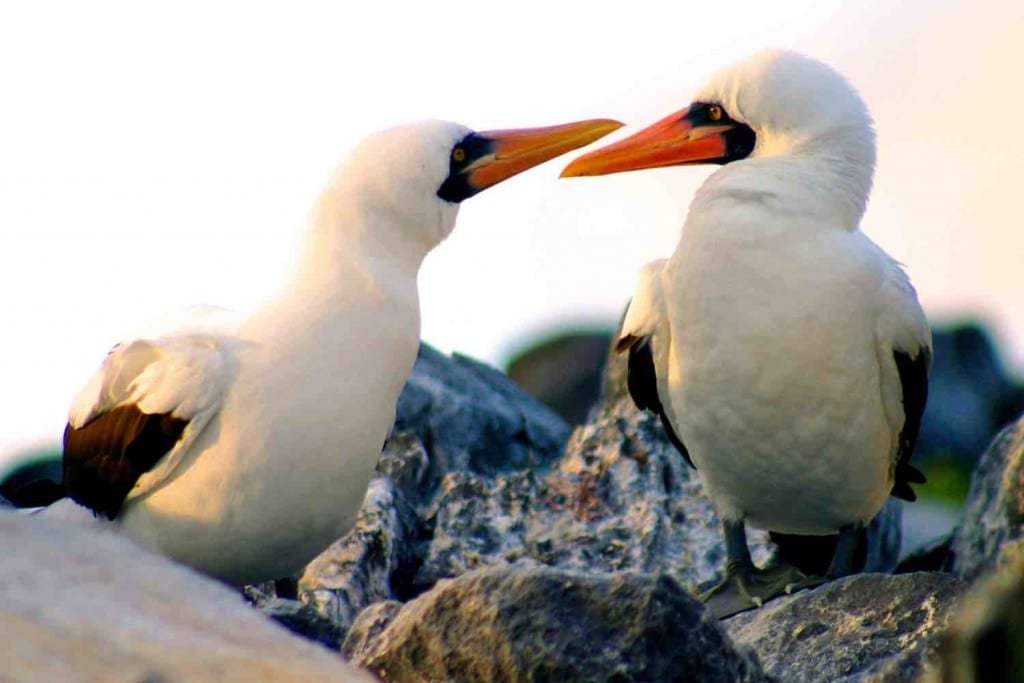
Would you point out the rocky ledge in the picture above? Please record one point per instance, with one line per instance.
(496, 545)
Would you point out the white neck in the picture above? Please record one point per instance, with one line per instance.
(825, 178)
(358, 253)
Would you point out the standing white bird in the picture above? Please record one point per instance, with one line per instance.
(244, 452)
(783, 347)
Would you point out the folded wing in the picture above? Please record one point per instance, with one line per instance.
(137, 416)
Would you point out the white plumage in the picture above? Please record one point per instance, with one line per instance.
(267, 429)
(777, 327)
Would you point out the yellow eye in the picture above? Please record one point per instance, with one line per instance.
(714, 112)
(458, 155)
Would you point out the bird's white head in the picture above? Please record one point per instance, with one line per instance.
(774, 104)
(406, 182)
(790, 101)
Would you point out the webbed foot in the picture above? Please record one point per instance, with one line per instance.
(746, 587)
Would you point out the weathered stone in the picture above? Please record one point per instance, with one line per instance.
(994, 512)
(472, 418)
(618, 497)
(985, 641)
(520, 624)
(84, 604)
(455, 415)
(368, 626)
(304, 620)
(871, 627)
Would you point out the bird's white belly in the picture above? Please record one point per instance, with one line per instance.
(259, 498)
(808, 471)
(775, 388)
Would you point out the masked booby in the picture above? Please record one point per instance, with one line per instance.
(244, 449)
(783, 347)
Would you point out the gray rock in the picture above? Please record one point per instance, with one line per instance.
(994, 512)
(84, 604)
(305, 620)
(542, 624)
(472, 418)
(454, 415)
(618, 497)
(985, 641)
(368, 626)
(871, 627)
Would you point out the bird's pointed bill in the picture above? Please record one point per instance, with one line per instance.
(672, 141)
(517, 150)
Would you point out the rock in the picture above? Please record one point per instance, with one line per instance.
(85, 604)
(454, 415)
(985, 641)
(522, 624)
(304, 620)
(868, 627)
(994, 512)
(564, 371)
(472, 418)
(618, 497)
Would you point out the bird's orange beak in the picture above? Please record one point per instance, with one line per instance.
(514, 151)
(672, 141)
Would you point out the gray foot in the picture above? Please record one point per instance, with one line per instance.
(747, 587)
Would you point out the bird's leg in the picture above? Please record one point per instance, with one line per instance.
(842, 560)
(745, 586)
(846, 548)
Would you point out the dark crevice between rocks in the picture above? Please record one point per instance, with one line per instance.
(936, 556)
(403, 577)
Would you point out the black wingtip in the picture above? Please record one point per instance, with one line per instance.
(902, 490)
(912, 474)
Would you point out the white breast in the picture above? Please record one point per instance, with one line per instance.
(774, 374)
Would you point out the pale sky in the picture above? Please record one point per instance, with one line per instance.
(154, 157)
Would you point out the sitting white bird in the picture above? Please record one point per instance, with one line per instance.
(245, 452)
(783, 347)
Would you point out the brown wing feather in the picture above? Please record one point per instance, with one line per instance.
(105, 457)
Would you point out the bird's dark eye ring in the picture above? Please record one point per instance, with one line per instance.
(714, 112)
(458, 155)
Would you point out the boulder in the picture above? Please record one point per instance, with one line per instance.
(868, 627)
(993, 517)
(79, 603)
(537, 623)
(478, 474)
(985, 641)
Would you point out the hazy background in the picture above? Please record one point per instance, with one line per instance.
(156, 157)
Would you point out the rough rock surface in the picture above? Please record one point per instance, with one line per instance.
(985, 641)
(869, 627)
(476, 476)
(84, 604)
(515, 624)
(993, 518)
